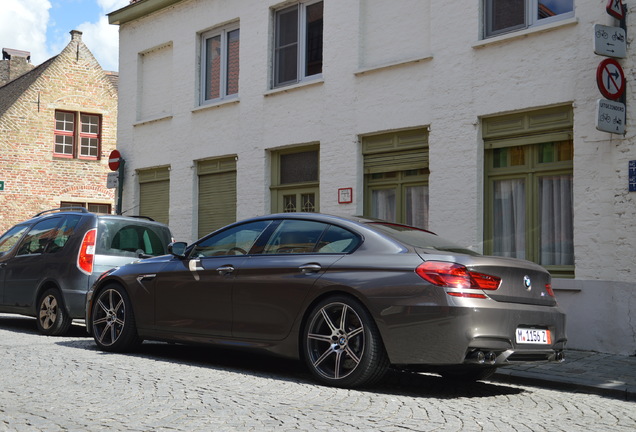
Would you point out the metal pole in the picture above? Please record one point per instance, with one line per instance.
(120, 185)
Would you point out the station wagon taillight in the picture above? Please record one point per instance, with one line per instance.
(452, 275)
(87, 252)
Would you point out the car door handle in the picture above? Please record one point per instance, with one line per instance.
(223, 270)
(310, 268)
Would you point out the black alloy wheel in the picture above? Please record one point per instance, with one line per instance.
(342, 345)
(112, 320)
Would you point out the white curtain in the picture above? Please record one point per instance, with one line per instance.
(555, 201)
(417, 206)
(383, 204)
(509, 230)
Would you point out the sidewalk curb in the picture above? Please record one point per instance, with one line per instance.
(538, 379)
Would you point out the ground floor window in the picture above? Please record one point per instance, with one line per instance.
(295, 184)
(396, 177)
(91, 207)
(154, 193)
(528, 188)
(217, 194)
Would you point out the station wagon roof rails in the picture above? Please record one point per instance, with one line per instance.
(63, 209)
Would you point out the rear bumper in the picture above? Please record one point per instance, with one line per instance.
(454, 334)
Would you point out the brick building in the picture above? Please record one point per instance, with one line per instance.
(57, 127)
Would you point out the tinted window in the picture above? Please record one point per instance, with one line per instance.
(10, 238)
(419, 238)
(237, 240)
(295, 236)
(337, 240)
(123, 238)
(39, 237)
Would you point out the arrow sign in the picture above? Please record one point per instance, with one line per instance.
(610, 41)
(615, 9)
(610, 79)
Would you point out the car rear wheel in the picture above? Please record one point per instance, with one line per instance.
(112, 320)
(342, 345)
(52, 319)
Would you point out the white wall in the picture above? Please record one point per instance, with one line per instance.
(429, 70)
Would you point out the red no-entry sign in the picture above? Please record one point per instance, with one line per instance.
(113, 160)
(610, 79)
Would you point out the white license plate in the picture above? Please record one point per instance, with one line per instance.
(533, 336)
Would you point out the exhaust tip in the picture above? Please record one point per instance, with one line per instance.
(559, 356)
(490, 357)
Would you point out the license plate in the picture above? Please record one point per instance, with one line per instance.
(533, 336)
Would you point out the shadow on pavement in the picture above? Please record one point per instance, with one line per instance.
(272, 367)
(23, 324)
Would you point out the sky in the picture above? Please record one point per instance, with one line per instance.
(43, 27)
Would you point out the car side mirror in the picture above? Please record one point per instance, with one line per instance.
(178, 249)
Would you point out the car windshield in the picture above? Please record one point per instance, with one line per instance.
(10, 238)
(419, 238)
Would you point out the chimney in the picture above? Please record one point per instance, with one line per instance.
(13, 64)
(76, 35)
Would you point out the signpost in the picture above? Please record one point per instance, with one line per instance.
(116, 163)
(615, 9)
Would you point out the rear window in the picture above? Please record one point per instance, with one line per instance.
(419, 238)
(131, 238)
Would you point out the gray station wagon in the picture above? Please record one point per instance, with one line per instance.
(48, 263)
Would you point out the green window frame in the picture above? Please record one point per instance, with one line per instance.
(529, 188)
(396, 177)
(295, 185)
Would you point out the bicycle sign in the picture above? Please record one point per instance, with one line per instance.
(610, 116)
(610, 41)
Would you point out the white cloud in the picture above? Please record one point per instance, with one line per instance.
(103, 41)
(23, 26)
(102, 38)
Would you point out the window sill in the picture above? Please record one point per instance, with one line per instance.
(524, 33)
(217, 104)
(293, 87)
(152, 120)
(392, 65)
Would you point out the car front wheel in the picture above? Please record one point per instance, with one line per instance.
(342, 345)
(52, 319)
(112, 320)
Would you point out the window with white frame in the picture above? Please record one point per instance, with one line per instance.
(298, 43)
(220, 64)
(503, 16)
(73, 140)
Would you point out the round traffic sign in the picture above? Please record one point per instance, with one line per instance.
(610, 79)
(113, 160)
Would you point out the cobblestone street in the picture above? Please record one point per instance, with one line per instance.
(66, 384)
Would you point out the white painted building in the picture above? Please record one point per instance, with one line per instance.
(469, 118)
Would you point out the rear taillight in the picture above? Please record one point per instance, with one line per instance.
(549, 290)
(87, 252)
(454, 275)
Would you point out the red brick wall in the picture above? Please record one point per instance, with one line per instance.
(35, 180)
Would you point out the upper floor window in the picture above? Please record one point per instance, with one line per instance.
(220, 64)
(503, 16)
(77, 139)
(298, 43)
